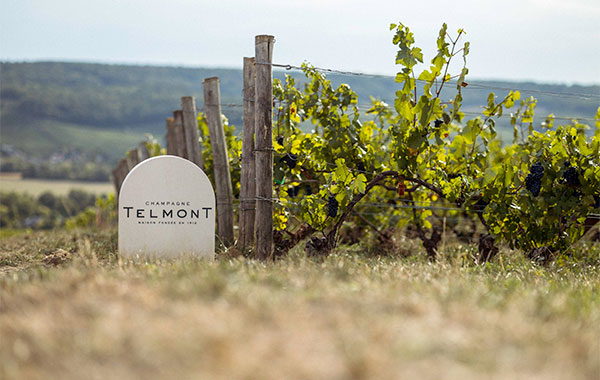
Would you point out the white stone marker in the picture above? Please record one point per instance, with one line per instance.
(166, 209)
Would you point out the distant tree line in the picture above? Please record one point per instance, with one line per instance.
(67, 170)
(21, 210)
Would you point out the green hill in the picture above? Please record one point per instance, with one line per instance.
(102, 110)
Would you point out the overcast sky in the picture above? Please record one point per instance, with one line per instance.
(556, 41)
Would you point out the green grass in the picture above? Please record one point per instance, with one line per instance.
(71, 308)
(11, 232)
(37, 186)
(42, 138)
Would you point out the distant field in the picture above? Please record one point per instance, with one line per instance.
(37, 186)
(43, 137)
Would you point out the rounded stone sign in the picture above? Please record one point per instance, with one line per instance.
(166, 209)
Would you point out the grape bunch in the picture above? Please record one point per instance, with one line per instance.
(293, 191)
(360, 167)
(533, 182)
(571, 176)
(290, 160)
(280, 140)
(438, 123)
(332, 206)
(481, 203)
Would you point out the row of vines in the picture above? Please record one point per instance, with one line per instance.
(408, 163)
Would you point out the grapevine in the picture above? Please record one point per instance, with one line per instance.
(331, 160)
(432, 151)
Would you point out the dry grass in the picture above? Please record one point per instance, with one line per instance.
(71, 309)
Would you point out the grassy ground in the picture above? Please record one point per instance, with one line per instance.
(37, 186)
(70, 308)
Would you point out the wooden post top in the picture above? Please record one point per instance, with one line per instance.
(263, 38)
(187, 101)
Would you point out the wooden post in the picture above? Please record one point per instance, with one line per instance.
(212, 108)
(170, 137)
(114, 176)
(133, 158)
(179, 134)
(264, 146)
(120, 173)
(248, 175)
(190, 128)
(144, 152)
(124, 170)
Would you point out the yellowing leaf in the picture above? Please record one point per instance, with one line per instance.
(360, 184)
(294, 113)
(296, 146)
(366, 131)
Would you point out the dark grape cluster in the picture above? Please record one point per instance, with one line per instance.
(438, 123)
(293, 191)
(290, 160)
(280, 140)
(361, 167)
(481, 203)
(596, 201)
(332, 206)
(533, 182)
(571, 176)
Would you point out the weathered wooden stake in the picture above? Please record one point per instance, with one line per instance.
(212, 107)
(179, 134)
(264, 146)
(170, 137)
(114, 176)
(144, 152)
(123, 169)
(120, 173)
(248, 175)
(133, 158)
(190, 127)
